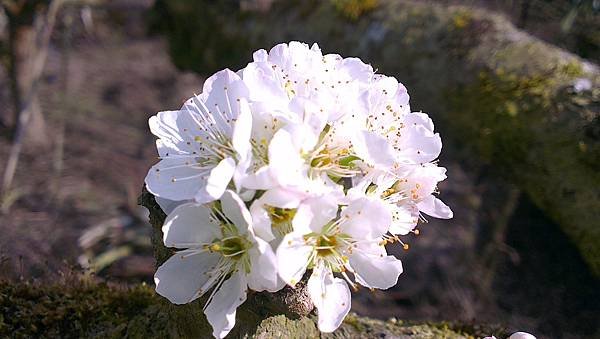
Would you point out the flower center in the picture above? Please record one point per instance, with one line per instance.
(281, 218)
(233, 247)
(337, 162)
(330, 247)
(326, 246)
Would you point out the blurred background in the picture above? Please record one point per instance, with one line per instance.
(80, 78)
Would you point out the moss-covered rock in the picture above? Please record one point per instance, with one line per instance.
(83, 309)
(79, 309)
(499, 96)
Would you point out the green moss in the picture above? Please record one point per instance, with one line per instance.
(81, 309)
(528, 128)
(462, 18)
(354, 9)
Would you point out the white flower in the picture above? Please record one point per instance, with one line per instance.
(582, 85)
(274, 211)
(521, 335)
(295, 70)
(217, 250)
(516, 335)
(351, 243)
(330, 161)
(318, 98)
(201, 144)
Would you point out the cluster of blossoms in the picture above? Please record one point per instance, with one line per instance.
(300, 161)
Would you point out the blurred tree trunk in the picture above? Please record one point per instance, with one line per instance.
(30, 25)
(27, 51)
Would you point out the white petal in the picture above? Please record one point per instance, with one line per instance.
(188, 226)
(422, 119)
(331, 297)
(374, 268)
(241, 131)
(314, 213)
(404, 218)
(175, 179)
(521, 335)
(170, 127)
(306, 112)
(221, 310)
(168, 205)
(261, 221)
(220, 93)
(217, 182)
(366, 218)
(292, 258)
(264, 85)
(373, 149)
(236, 211)
(263, 273)
(285, 161)
(419, 143)
(435, 207)
(281, 198)
(180, 278)
(260, 180)
(260, 56)
(357, 69)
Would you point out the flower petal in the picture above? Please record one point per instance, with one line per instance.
(220, 312)
(373, 268)
(366, 218)
(404, 218)
(314, 213)
(331, 297)
(240, 139)
(263, 275)
(175, 179)
(261, 221)
(285, 162)
(217, 182)
(168, 205)
(220, 93)
(521, 335)
(435, 207)
(236, 211)
(189, 225)
(264, 84)
(419, 143)
(170, 127)
(292, 258)
(373, 149)
(180, 278)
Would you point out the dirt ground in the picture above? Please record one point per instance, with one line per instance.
(99, 148)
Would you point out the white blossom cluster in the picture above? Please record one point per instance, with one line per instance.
(300, 161)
